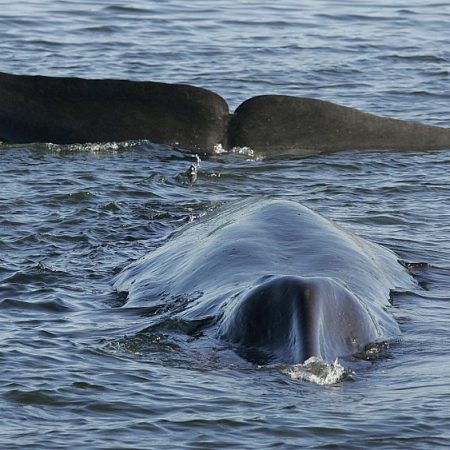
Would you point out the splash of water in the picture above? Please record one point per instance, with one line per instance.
(246, 151)
(317, 371)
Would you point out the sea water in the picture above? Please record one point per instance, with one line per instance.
(78, 368)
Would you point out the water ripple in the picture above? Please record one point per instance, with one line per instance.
(82, 371)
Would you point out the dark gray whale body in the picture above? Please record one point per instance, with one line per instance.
(273, 278)
(284, 124)
(75, 110)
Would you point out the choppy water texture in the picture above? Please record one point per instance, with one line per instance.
(79, 370)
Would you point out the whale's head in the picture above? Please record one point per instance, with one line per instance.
(289, 319)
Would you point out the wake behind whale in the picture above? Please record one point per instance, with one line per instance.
(274, 281)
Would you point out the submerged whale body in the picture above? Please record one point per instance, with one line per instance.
(273, 278)
(75, 110)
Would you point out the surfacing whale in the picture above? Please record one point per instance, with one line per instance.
(274, 280)
(75, 110)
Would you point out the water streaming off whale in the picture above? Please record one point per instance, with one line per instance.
(275, 277)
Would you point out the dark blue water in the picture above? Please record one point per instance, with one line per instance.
(78, 368)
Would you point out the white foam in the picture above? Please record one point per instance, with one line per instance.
(94, 147)
(245, 151)
(317, 371)
(218, 149)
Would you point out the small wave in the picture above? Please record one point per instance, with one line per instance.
(51, 306)
(121, 9)
(317, 371)
(74, 197)
(35, 397)
(142, 345)
(105, 29)
(427, 58)
(111, 207)
(32, 275)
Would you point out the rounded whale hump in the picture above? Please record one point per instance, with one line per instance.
(286, 124)
(67, 110)
(291, 318)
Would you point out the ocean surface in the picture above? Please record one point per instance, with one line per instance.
(78, 367)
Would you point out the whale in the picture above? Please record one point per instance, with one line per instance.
(68, 110)
(65, 110)
(281, 124)
(273, 281)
